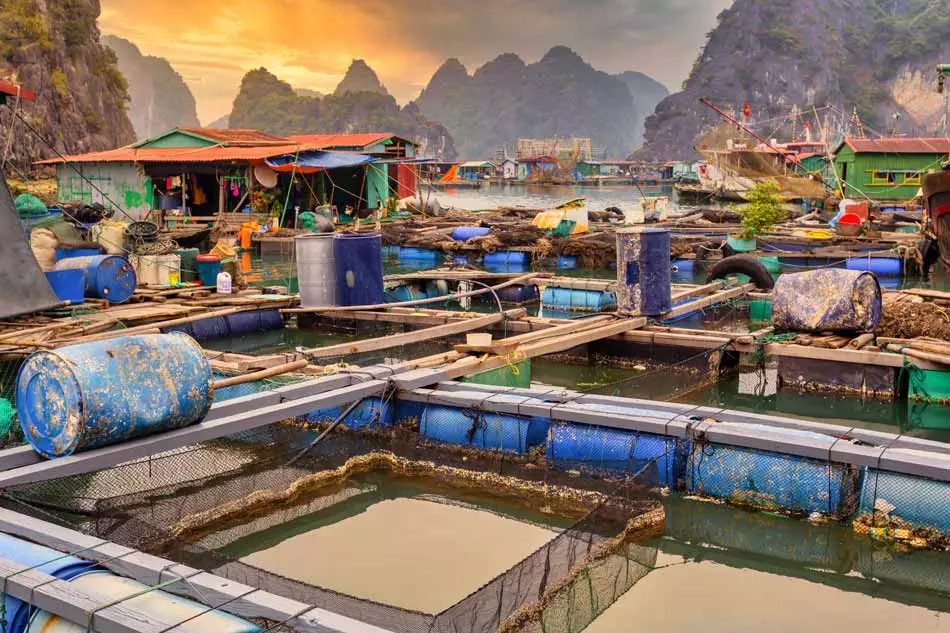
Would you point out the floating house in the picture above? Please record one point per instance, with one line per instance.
(477, 170)
(209, 171)
(509, 169)
(887, 169)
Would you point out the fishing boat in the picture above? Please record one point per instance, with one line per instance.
(936, 189)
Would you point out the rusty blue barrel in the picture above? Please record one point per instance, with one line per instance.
(359, 268)
(107, 276)
(827, 300)
(95, 394)
(644, 273)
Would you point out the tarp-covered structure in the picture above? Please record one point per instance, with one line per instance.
(23, 286)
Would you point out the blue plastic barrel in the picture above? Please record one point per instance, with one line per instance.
(254, 321)
(465, 233)
(66, 253)
(44, 559)
(566, 262)
(369, 413)
(507, 258)
(610, 451)
(919, 501)
(359, 268)
(100, 393)
(492, 431)
(644, 274)
(578, 300)
(69, 285)
(208, 268)
(773, 481)
(516, 294)
(407, 292)
(878, 265)
(424, 254)
(683, 265)
(106, 276)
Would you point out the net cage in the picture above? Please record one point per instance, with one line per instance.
(193, 504)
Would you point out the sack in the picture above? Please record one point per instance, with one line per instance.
(43, 243)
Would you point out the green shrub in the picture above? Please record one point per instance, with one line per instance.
(764, 210)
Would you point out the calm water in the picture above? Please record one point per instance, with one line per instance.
(497, 195)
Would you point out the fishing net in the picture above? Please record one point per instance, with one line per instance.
(199, 504)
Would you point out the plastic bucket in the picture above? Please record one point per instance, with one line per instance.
(208, 268)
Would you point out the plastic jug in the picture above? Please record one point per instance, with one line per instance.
(224, 283)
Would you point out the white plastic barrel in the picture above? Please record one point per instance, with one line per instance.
(167, 268)
(316, 270)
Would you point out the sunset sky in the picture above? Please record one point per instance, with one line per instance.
(310, 43)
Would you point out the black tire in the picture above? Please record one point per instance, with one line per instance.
(742, 264)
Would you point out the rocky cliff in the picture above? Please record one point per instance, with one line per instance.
(52, 47)
(360, 77)
(560, 95)
(160, 99)
(873, 56)
(267, 103)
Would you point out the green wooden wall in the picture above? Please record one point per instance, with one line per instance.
(885, 177)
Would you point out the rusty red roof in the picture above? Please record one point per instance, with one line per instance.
(324, 141)
(211, 154)
(235, 137)
(898, 145)
(13, 90)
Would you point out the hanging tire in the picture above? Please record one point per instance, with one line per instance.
(744, 265)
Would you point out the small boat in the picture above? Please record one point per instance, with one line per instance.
(936, 189)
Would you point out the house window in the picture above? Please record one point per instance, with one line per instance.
(883, 178)
(912, 178)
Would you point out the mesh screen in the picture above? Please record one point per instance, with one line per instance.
(578, 573)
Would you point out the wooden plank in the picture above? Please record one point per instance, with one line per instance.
(845, 355)
(417, 336)
(924, 292)
(556, 342)
(719, 297)
(697, 291)
(108, 456)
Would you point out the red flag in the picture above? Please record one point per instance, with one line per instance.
(747, 110)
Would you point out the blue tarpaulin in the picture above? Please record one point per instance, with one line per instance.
(320, 159)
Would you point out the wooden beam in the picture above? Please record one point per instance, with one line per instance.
(417, 336)
(97, 459)
(557, 340)
(719, 297)
(697, 291)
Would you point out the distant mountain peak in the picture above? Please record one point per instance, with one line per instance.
(360, 77)
(561, 54)
(160, 98)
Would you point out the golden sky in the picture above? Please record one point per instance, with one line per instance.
(310, 43)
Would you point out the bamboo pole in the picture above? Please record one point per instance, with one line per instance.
(942, 359)
(862, 341)
(260, 375)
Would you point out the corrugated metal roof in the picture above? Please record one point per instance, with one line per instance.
(899, 145)
(13, 90)
(477, 163)
(237, 137)
(182, 155)
(323, 141)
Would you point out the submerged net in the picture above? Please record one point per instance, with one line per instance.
(195, 504)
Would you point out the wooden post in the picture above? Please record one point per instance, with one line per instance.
(222, 195)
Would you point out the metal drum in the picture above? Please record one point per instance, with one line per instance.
(359, 268)
(316, 270)
(95, 394)
(644, 274)
(107, 276)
